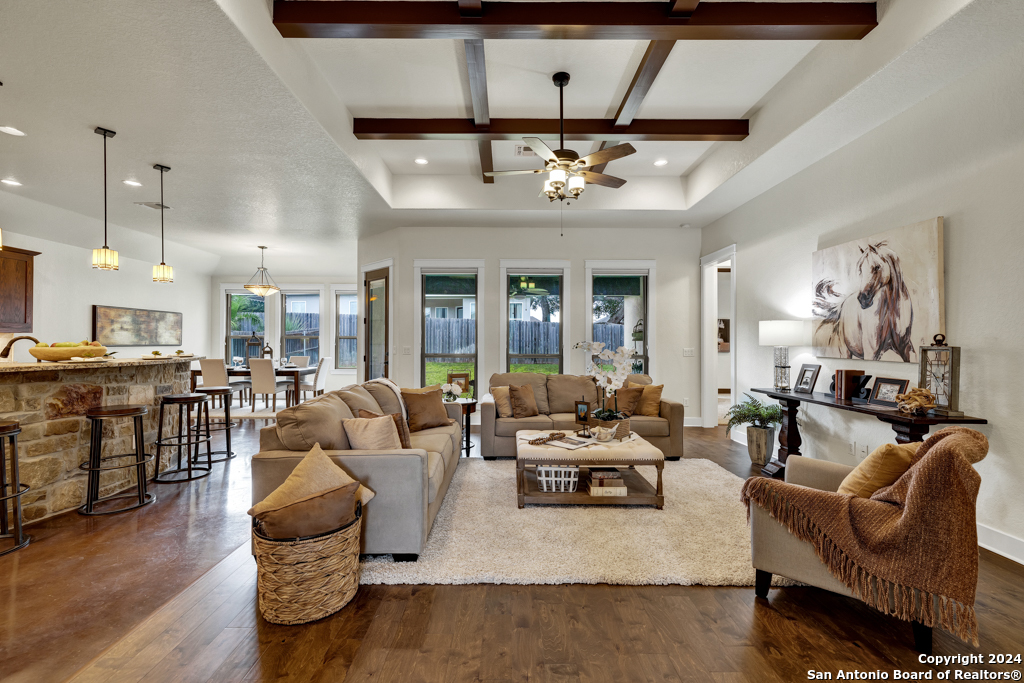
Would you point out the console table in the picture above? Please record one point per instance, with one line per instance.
(908, 428)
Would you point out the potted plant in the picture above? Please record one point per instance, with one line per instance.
(761, 419)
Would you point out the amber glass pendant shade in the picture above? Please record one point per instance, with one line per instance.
(104, 258)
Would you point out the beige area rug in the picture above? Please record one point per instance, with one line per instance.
(481, 536)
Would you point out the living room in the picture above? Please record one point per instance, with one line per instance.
(353, 292)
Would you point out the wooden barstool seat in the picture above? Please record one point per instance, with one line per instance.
(185, 438)
(11, 528)
(225, 425)
(98, 464)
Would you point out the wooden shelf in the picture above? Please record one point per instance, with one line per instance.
(639, 492)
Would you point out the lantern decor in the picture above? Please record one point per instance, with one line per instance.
(253, 348)
(940, 374)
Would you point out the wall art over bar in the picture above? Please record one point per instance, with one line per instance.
(113, 326)
(881, 297)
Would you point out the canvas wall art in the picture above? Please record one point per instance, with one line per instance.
(113, 326)
(882, 297)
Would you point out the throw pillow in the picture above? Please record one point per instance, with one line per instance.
(650, 401)
(882, 468)
(385, 397)
(424, 390)
(524, 403)
(627, 400)
(317, 514)
(400, 424)
(357, 398)
(502, 402)
(425, 410)
(376, 434)
(315, 474)
(317, 421)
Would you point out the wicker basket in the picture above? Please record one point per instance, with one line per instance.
(557, 478)
(304, 579)
(621, 426)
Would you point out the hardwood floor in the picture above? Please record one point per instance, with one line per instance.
(211, 630)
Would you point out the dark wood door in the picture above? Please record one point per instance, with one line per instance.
(16, 289)
(377, 303)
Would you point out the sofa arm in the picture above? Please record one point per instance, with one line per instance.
(816, 474)
(454, 411)
(270, 441)
(488, 415)
(674, 412)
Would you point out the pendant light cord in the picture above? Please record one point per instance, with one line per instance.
(162, 217)
(561, 117)
(105, 191)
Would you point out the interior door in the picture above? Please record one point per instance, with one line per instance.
(378, 295)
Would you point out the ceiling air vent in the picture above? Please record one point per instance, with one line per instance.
(524, 151)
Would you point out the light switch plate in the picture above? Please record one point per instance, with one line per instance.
(406, 350)
(687, 352)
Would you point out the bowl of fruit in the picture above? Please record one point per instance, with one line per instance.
(68, 350)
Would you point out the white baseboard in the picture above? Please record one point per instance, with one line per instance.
(738, 436)
(1001, 543)
(692, 422)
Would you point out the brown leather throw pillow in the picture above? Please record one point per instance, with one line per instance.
(425, 410)
(627, 400)
(400, 424)
(311, 516)
(524, 402)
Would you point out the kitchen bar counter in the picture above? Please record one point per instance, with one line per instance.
(50, 400)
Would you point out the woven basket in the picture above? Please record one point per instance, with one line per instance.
(621, 426)
(304, 579)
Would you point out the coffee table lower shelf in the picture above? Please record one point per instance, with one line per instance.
(639, 491)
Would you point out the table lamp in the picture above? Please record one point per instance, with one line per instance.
(782, 334)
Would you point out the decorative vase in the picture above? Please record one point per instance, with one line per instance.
(759, 444)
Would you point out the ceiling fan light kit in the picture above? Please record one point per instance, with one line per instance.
(566, 177)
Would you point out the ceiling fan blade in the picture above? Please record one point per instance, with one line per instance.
(602, 179)
(497, 173)
(542, 150)
(606, 155)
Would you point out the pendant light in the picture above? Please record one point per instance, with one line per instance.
(261, 284)
(104, 258)
(163, 272)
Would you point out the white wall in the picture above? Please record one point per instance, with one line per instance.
(958, 154)
(676, 251)
(725, 311)
(66, 287)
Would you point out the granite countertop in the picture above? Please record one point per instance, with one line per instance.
(30, 367)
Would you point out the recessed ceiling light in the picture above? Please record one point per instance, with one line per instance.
(133, 183)
(661, 162)
(10, 181)
(10, 130)
(421, 161)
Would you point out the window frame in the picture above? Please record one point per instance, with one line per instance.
(336, 336)
(560, 356)
(423, 355)
(226, 299)
(628, 267)
(300, 291)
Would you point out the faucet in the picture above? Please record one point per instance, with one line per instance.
(6, 353)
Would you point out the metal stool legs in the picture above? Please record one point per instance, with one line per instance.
(225, 425)
(186, 438)
(7, 528)
(96, 465)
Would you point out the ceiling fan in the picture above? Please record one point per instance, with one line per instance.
(566, 179)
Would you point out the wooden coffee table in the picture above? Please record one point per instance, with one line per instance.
(627, 454)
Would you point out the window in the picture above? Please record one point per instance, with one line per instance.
(620, 315)
(449, 343)
(348, 315)
(245, 316)
(301, 328)
(534, 323)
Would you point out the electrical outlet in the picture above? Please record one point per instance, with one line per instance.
(686, 403)
(862, 451)
(687, 352)
(406, 350)
(853, 448)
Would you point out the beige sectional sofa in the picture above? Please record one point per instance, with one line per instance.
(410, 484)
(556, 397)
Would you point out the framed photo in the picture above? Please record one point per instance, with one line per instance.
(460, 378)
(807, 378)
(885, 391)
(582, 413)
(723, 335)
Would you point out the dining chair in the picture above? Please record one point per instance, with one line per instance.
(265, 382)
(299, 361)
(319, 379)
(215, 374)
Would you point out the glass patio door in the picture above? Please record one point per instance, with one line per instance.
(376, 323)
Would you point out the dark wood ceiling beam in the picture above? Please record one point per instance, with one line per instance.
(682, 8)
(476, 65)
(547, 129)
(471, 8)
(653, 59)
(575, 20)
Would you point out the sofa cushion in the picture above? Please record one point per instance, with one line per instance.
(627, 400)
(314, 421)
(452, 431)
(639, 379)
(423, 390)
(524, 403)
(502, 401)
(564, 421)
(508, 426)
(435, 475)
(317, 514)
(359, 398)
(385, 398)
(436, 443)
(400, 424)
(537, 380)
(650, 401)
(425, 410)
(565, 390)
(315, 473)
(645, 425)
(373, 434)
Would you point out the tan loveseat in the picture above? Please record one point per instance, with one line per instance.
(410, 484)
(556, 397)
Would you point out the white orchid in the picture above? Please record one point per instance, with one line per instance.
(453, 390)
(621, 361)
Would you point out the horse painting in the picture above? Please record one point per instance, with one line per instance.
(867, 306)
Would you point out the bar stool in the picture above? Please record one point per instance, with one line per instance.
(9, 431)
(96, 463)
(184, 439)
(225, 425)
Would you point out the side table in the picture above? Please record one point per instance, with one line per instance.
(468, 408)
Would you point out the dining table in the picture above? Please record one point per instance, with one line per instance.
(294, 372)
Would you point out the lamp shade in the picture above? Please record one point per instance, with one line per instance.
(784, 333)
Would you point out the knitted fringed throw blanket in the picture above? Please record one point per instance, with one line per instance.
(911, 550)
